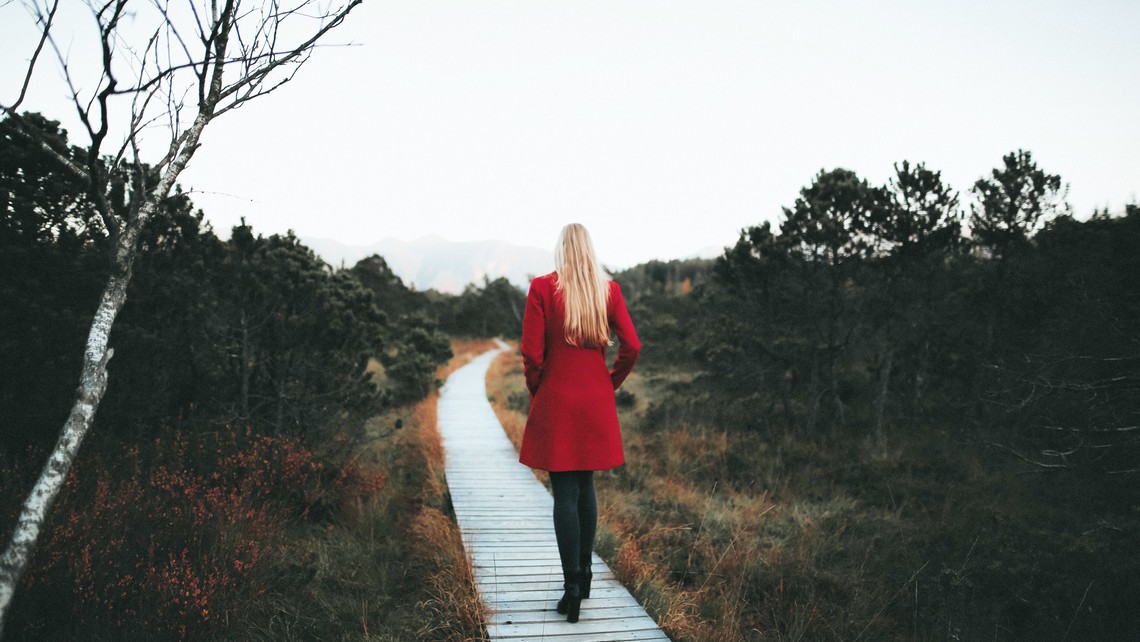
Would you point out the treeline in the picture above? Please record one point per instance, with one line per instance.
(493, 309)
(871, 309)
(255, 330)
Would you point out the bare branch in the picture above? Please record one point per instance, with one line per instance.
(46, 23)
(163, 8)
(258, 76)
(168, 72)
(1112, 429)
(1027, 459)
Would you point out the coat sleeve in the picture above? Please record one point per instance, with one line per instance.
(629, 346)
(533, 345)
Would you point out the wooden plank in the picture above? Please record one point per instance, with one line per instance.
(490, 545)
(554, 593)
(522, 582)
(551, 588)
(550, 569)
(531, 502)
(531, 506)
(513, 554)
(496, 543)
(615, 636)
(541, 605)
(549, 614)
(482, 553)
(600, 570)
(561, 626)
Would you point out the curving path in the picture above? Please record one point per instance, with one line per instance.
(504, 515)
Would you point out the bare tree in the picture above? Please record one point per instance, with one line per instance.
(195, 61)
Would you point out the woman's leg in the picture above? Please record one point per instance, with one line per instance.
(565, 487)
(587, 518)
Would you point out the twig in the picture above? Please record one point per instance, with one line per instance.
(887, 603)
(46, 21)
(968, 554)
(1070, 627)
(1026, 459)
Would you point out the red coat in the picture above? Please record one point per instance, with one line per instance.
(573, 422)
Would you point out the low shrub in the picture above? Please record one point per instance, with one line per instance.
(157, 542)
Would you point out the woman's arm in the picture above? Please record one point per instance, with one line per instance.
(533, 346)
(629, 346)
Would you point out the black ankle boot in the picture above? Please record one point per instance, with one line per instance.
(571, 601)
(586, 576)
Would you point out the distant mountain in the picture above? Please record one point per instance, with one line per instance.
(708, 252)
(433, 262)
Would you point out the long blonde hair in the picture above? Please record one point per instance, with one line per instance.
(585, 288)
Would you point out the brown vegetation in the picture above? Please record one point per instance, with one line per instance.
(233, 535)
(730, 536)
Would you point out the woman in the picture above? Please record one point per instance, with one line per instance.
(572, 429)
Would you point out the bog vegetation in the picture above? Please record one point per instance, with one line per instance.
(264, 464)
(890, 416)
(901, 412)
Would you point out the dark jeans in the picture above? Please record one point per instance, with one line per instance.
(575, 519)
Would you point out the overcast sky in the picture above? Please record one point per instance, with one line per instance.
(665, 127)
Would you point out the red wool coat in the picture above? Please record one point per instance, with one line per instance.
(573, 422)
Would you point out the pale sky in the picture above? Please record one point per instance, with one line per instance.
(664, 127)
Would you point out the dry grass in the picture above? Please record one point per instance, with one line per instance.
(714, 546)
(702, 527)
(730, 535)
(620, 515)
(375, 369)
(455, 608)
(393, 569)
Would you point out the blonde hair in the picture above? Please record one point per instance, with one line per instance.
(585, 289)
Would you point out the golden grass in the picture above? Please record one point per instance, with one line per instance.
(375, 369)
(722, 535)
(393, 567)
(454, 605)
(675, 610)
(696, 548)
(704, 527)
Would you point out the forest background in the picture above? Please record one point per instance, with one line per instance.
(896, 388)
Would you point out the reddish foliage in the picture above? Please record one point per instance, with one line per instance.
(162, 544)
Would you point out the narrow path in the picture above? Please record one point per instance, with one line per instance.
(505, 517)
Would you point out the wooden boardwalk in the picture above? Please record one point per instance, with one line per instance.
(505, 517)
